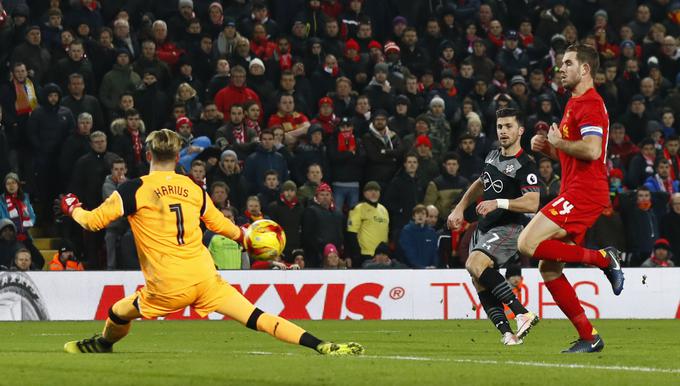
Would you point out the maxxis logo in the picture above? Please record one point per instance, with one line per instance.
(20, 298)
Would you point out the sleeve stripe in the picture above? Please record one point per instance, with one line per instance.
(590, 129)
(587, 133)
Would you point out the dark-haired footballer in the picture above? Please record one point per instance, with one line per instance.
(509, 188)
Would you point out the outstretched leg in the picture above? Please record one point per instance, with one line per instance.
(240, 309)
(116, 328)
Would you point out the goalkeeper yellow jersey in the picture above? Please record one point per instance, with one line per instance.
(164, 210)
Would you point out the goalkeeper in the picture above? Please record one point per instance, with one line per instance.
(164, 210)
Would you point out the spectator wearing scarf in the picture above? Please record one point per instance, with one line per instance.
(16, 206)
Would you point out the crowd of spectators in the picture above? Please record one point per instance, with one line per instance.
(355, 124)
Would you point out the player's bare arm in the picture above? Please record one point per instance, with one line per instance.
(528, 203)
(471, 195)
(587, 149)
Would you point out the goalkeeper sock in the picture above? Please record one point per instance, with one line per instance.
(494, 281)
(276, 326)
(494, 310)
(113, 332)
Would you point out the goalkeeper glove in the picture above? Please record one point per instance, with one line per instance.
(68, 203)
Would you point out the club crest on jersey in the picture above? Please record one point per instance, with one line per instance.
(509, 168)
(489, 183)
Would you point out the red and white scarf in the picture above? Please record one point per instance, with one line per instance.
(18, 213)
(665, 184)
(239, 133)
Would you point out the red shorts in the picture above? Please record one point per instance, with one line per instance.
(573, 214)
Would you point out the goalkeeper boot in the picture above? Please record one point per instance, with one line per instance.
(330, 348)
(613, 271)
(87, 346)
(525, 322)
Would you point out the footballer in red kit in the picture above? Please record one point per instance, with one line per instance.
(584, 192)
(554, 235)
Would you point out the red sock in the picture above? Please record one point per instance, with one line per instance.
(565, 297)
(560, 251)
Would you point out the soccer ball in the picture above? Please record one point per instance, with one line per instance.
(264, 240)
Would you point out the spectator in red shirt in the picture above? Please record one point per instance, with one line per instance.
(295, 124)
(166, 50)
(235, 93)
(326, 118)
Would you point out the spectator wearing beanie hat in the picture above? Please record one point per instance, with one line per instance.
(287, 212)
(326, 117)
(367, 225)
(383, 149)
(228, 170)
(661, 256)
(191, 147)
(119, 80)
(321, 225)
(332, 260)
(440, 129)
(422, 128)
(382, 259)
(401, 123)
(379, 89)
(353, 64)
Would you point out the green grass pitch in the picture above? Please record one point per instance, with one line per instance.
(414, 353)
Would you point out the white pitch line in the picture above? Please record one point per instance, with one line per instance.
(496, 362)
(530, 364)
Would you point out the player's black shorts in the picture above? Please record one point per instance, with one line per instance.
(499, 243)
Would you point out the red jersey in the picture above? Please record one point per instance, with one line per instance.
(289, 122)
(585, 115)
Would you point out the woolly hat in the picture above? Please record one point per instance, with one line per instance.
(399, 20)
(391, 46)
(351, 44)
(378, 113)
(228, 153)
(662, 244)
(374, 44)
(5, 222)
(257, 61)
(183, 3)
(382, 249)
(616, 173)
(372, 185)
(288, 185)
(381, 67)
(12, 176)
(328, 249)
(325, 101)
(437, 101)
(183, 121)
(423, 140)
(602, 13)
(323, 187)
